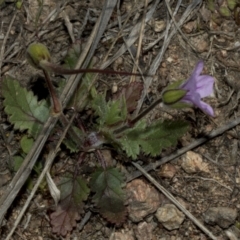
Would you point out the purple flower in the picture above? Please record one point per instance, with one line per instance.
(197, 87)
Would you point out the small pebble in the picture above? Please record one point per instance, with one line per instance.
(170, 217)
(222, 216)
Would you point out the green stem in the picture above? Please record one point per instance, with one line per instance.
(132, 122)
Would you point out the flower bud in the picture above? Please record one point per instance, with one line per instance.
(36, 53)
(172, 96)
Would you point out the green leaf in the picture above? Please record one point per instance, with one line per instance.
(152, 139)
(26, 143)
(75, 187)
(17, 162)
(224, 11)
(109, 196)
(232, 4)
(73, 146)
(129, 142)
(25, 112)
(38, 167)
(111, 112)
(211, 5)
(74, 191)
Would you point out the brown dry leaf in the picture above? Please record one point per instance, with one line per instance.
(63, 220)
(131, 92)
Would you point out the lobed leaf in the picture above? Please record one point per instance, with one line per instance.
(74, 187)
(25, 112)
(74, 191)
(71, 144)
(64, 219)
(111, 112)
(152, 139)
(109, 196)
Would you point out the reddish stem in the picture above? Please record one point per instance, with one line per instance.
(56, 103)
(57, 69)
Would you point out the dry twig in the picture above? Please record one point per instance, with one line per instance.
(175, 201)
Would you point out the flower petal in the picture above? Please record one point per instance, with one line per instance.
(206, 108)
(197, 87)
(193, 98)
(198, 69)
(196, 100)
(190, 84)
(205, 85)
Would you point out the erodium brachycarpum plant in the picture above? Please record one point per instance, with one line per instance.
(112, 125)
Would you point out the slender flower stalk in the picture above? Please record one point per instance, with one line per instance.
(57, 107)
(39, 57)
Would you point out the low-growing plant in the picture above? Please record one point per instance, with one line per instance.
(226, 8)
(112, 125)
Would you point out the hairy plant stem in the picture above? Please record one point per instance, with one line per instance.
(132, 122)
(58, 69)
(57, 108)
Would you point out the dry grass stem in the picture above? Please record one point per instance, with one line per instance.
(175, 201)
